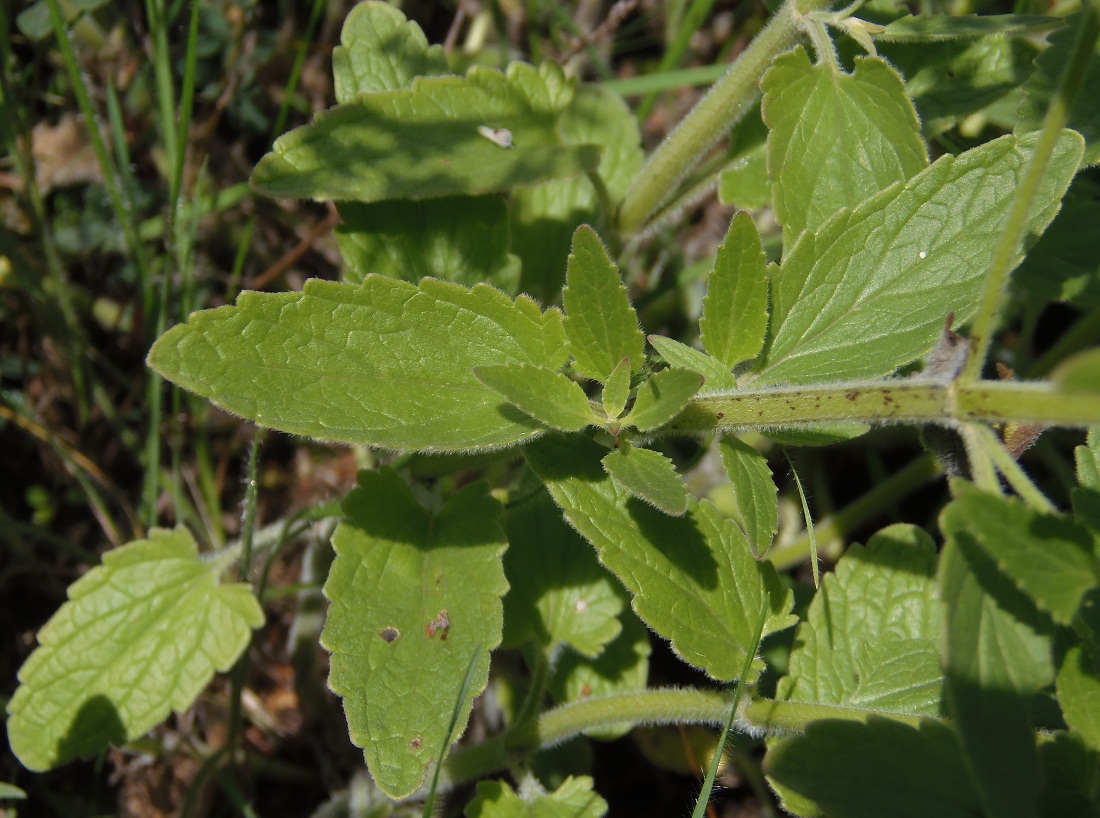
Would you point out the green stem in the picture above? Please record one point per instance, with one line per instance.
(785, 717)
(1006, 464)
(982, 471)
(722, 108)
(1012, 235)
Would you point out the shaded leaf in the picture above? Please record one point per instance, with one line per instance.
(1064, 265)
(755, 497)
(140, 636)
(413, 596)
(575, 798)
(718, 377)
(662, 397)
(649, 476)
(928, 28)
(735, 310)
(547, 396)
(1078, 685)
(744, 182)
(386, 363)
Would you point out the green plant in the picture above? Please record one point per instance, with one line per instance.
(961, 682)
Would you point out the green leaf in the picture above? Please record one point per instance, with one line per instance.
(617, 389)
(11, 792)
(1079, 373)
(423, 142)
(1064, 265)
(387, 363)
(855, 770)
(662, 397)
(547, 396)
(929, 28)
(622, 667)
(34, 21)
(649, 476)
(744, 182)
(756, 505)
(735, 309)
(1078, 685)
(463, 239)
(1084, 116)
(693, 577)
(413, 596)
(836, 139)
(575, 798)
(545, 216)
(949, 81)
(1087, 458)
(1071, 777)
(559, 593)
(869, 291)
(600, 324)
(995, 660)
(140, 636)
(381, 51)
(1049, 557)
(871, 639)
(718, 377)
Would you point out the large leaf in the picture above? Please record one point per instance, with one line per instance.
(424, 141)
(140, 636)
(559, 593)
(600, 323)
(693, 577)
(871, 640)
(735, 309)
(870, 290)
(386, 363)
(575, 798)
(414, 597)
(463, 239)
(381, 51)
(836, 139)
(1064, 265)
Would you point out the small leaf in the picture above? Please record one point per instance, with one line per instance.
(649, 476)
(617, 389)
(385, 363)
(600, 323)
(380, 50)
(1087, 458)
(1049, 557)
(422, 142)
(1064, 264)
(413, 596)
(744, 182)
(662, 397)
(735, 309)
(547, 396)
(929, 28)
(835, 139)
(869, 291)
(754, 492)
(575, 798)
(1078, 685)
(559, 593)
(463, 239)
(693, 577)
(1084, 116)
(680, 356)
(11, 792)
(140, 637)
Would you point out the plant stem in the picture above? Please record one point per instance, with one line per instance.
(784, 717)
(722, 108)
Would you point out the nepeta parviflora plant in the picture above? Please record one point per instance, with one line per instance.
(484, 332)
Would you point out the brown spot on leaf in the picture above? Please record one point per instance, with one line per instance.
(389, 634)
(415, 743)
(441, 625)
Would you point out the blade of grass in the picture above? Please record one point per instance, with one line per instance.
(809, 520)
(689, 23)
(462, 693)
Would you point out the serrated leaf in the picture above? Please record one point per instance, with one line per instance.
(949, 81)
(559, 593)
(600, 323)
(547, 396)
(622, 667)
(693, 577)
(575, 798)
(835, 139)
(995, 660)
(423, 142)
(870, 290)
(385, 363)
(1049, 557)
(545, 216)
(140, 636)
(735, 309)
(662, 397)
(649, 476)
(756, 505)
(1064, 265)
(1084, 116)
(463, 239)
(1070, 776)
(857, 770)
(413, 597)
(718, 377)
(380, 50)
(871, 638)
(1078, 685)
(617, 389)
(928, 28)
